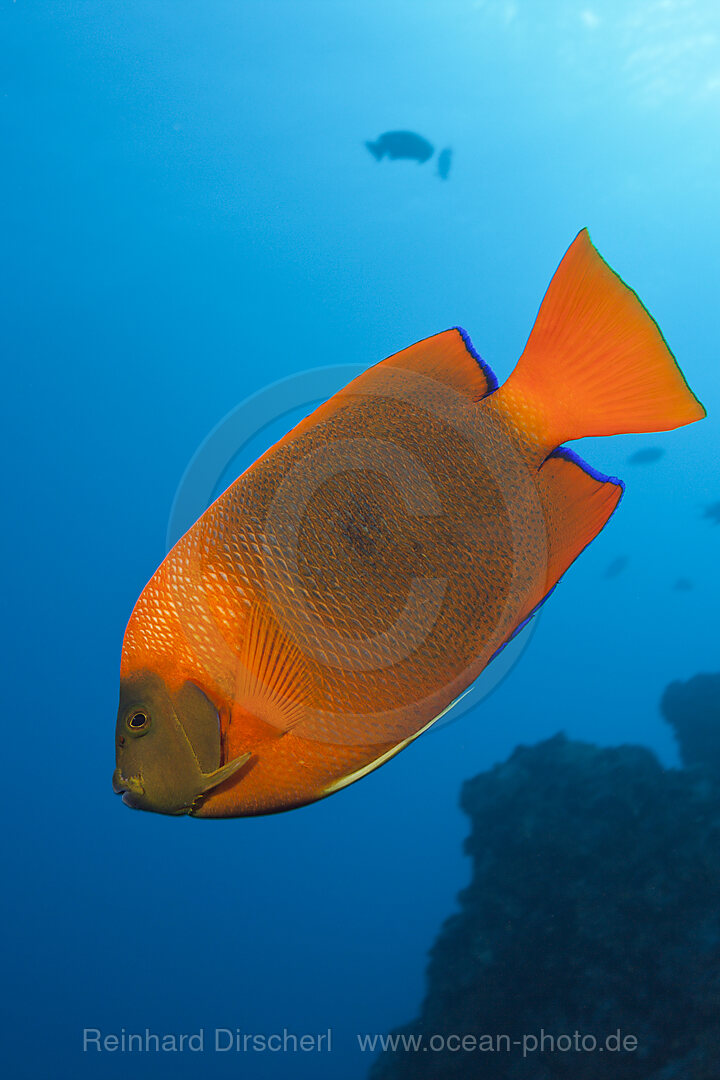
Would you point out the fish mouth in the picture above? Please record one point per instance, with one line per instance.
(132, 790)
(128, 787)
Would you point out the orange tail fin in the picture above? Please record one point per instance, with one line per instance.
(595, 362)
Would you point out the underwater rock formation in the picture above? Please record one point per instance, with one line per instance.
(594, 906)
(692, 709)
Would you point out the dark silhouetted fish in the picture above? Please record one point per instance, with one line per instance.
(712, 513)
(684, 584)
(401, 144)
(617, 566)
(647, 456)
(443, 163)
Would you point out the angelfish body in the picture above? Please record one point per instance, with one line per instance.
(349, 586)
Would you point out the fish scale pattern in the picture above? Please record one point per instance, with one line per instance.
(393, 546)
(347, 588)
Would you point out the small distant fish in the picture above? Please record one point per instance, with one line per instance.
(684, 584)
(712, 513)
(401, 144)
(647, 456)
(617, 566)
(443, 163)
(350, 586)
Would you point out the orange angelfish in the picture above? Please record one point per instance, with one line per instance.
(350, 585)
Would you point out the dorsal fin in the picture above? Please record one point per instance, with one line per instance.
(448, 357)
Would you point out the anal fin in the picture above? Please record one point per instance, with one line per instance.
(577, 503)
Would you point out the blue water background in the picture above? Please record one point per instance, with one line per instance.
(188, 213)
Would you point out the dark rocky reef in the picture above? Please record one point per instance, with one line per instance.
(594, 906)
(692, 709)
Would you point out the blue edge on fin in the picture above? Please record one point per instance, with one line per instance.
(485, 368)
(567, 455)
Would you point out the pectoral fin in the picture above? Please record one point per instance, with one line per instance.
(218, 776)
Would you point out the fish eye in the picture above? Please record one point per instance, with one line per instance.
(138, 721)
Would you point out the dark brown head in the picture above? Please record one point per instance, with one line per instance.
(167, 746)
